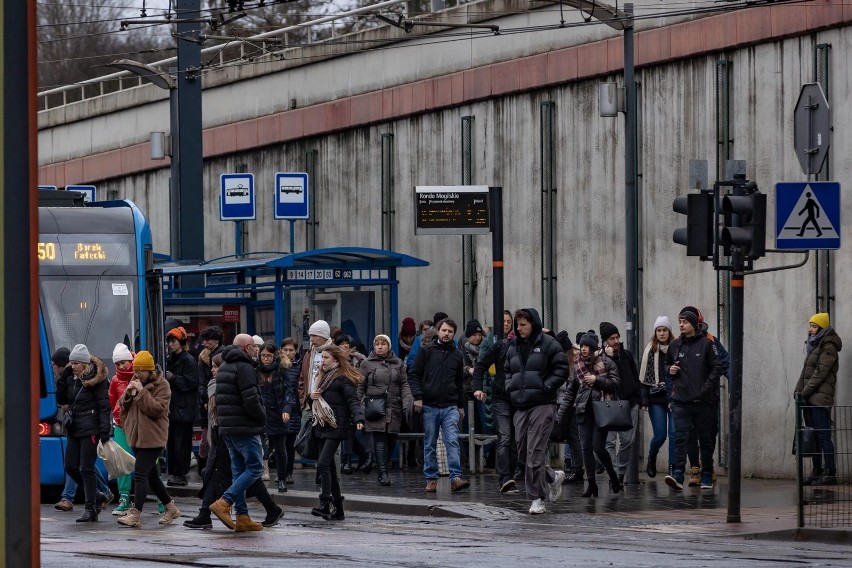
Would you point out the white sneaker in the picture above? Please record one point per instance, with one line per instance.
(554, 488)
(537, 507)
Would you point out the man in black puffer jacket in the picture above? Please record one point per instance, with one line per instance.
(182, 376)
(241, 422)
(536, 367)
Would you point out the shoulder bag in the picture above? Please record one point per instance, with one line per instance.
(306, 442)
(612, 415)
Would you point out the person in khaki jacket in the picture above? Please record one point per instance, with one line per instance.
(145, 418)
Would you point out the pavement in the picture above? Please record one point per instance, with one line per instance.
(767, 507)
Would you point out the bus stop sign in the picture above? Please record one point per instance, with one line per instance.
(812, 128)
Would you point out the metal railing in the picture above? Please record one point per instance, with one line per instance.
(824, 493)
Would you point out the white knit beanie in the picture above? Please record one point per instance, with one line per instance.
(321, 329)
(382, 337)
(80, 353)
(121, 353)
(663, 321)
(258, 340)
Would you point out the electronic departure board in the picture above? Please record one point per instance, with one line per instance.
(452, 210)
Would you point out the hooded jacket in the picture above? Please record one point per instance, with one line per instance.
(535, 367)
(437, 375)
(818, 379)
(700, 369)
(183, 382)
(145, 415)
(87, 399)
(238, 402)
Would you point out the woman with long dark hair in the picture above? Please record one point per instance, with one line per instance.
(335, 407)
(270, 379)
(652, 377)
(291, 363)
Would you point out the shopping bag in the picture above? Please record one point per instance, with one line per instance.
(117, 460)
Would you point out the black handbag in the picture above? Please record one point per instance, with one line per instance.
(612, 415)
(307, 444)
(807, 441)
(374, 407)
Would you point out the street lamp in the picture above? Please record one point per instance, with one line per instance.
(167, 82)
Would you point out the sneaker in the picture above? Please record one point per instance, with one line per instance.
(199, 522)
(537, 507)
(695, 477)
(64, 505)
(706, 480)
(675, 481)
(554, 488)
(273, 516)
(123, 506)
(431, 486)
(507, 486)
(458, 484)
(160, 508)
(290, 480)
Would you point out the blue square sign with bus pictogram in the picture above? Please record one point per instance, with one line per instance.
(807, 215)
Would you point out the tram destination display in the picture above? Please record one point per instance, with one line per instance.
(452, 210)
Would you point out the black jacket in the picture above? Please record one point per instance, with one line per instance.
(700, 369)
(494, 355)
(580, 395)
(272, 394)
(183, 382)
(437, 375)
(238, 401)
(628, 376)
(205, 373)
(342, 397)
(535, 367)
(87, 400)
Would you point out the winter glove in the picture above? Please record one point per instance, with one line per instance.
(104, 438)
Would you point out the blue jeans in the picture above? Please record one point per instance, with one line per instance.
(819, 418)
(661, 422)
(70, 489)
(447, 419)
(246, 467)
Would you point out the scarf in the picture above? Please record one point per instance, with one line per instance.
(314, 369)
(323, 413)
(405, 345)
(649, 373)
(581, 368)
(814, 340)
(266, 371)
(472, 350)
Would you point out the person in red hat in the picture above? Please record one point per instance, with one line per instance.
(182, 375)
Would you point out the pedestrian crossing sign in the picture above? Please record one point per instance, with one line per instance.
(807, 215)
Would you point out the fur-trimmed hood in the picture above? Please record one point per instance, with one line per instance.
(96, 374)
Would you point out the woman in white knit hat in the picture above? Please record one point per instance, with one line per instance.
(654, 396)
(123, 359)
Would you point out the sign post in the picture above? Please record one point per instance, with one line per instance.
(291, 200)
(812, 128)
(236, 202)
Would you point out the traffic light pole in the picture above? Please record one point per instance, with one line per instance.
(735, 381)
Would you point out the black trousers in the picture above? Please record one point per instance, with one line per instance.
(80, 455)
(593, 442)
(146, 475)
(327, 472)
(702, 418)
(179, 447)
(278, 444)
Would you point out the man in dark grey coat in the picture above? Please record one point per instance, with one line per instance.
(241, 422)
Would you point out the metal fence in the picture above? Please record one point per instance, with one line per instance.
(825, 492)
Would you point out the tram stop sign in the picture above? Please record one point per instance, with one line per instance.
(812, 128)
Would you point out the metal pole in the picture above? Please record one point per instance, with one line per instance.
(495, 195)
(292, 237)
(238, 238)
(800, 474)
(735, 381)
(631, 236)
(174, 172)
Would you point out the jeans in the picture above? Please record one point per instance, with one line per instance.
(447, 419)
(662, 422)
(70, 489)
(147, 474)
(507, 450)
(621, 458)
(80, 455)
(246, 454)
(329, 483)
(533, 426)
(819, 418)
(703, 418)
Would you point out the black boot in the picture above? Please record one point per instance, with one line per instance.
(324, 510)
(201, 521)
(366, 463)
(615, 483)
(828, 478)
(574, 475)
(815, 476)
(90, 515)
(382, 463)
(651, 468)
(337, 509)
(282, 486)
(591, 489)
(346, 464)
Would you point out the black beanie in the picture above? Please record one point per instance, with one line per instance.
(580, 335)
(564, 340)
(60, 357)
(472, 327)
(589, 338)
(689, 314)
(607, 330)
(439, 316)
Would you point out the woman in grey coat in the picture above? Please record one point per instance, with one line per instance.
(384, 377)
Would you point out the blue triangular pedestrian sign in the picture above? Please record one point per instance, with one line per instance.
(807, 215)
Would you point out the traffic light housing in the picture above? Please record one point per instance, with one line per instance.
(697, 236)
(750, 233)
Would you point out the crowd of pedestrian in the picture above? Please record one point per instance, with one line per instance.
(530, 386)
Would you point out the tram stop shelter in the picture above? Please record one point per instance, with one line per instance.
(280, 295)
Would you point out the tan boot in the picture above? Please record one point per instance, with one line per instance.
(131, 518)
(172, 513)
(222, 509)
(695, 477)
(245, 524)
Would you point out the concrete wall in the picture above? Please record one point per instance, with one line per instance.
(678, 123)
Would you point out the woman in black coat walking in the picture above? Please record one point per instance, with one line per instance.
(84, 388)
(335, 408)
(270, 378)
(291, 365)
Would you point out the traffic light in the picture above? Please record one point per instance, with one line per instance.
(697, 236)
(750, 233)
